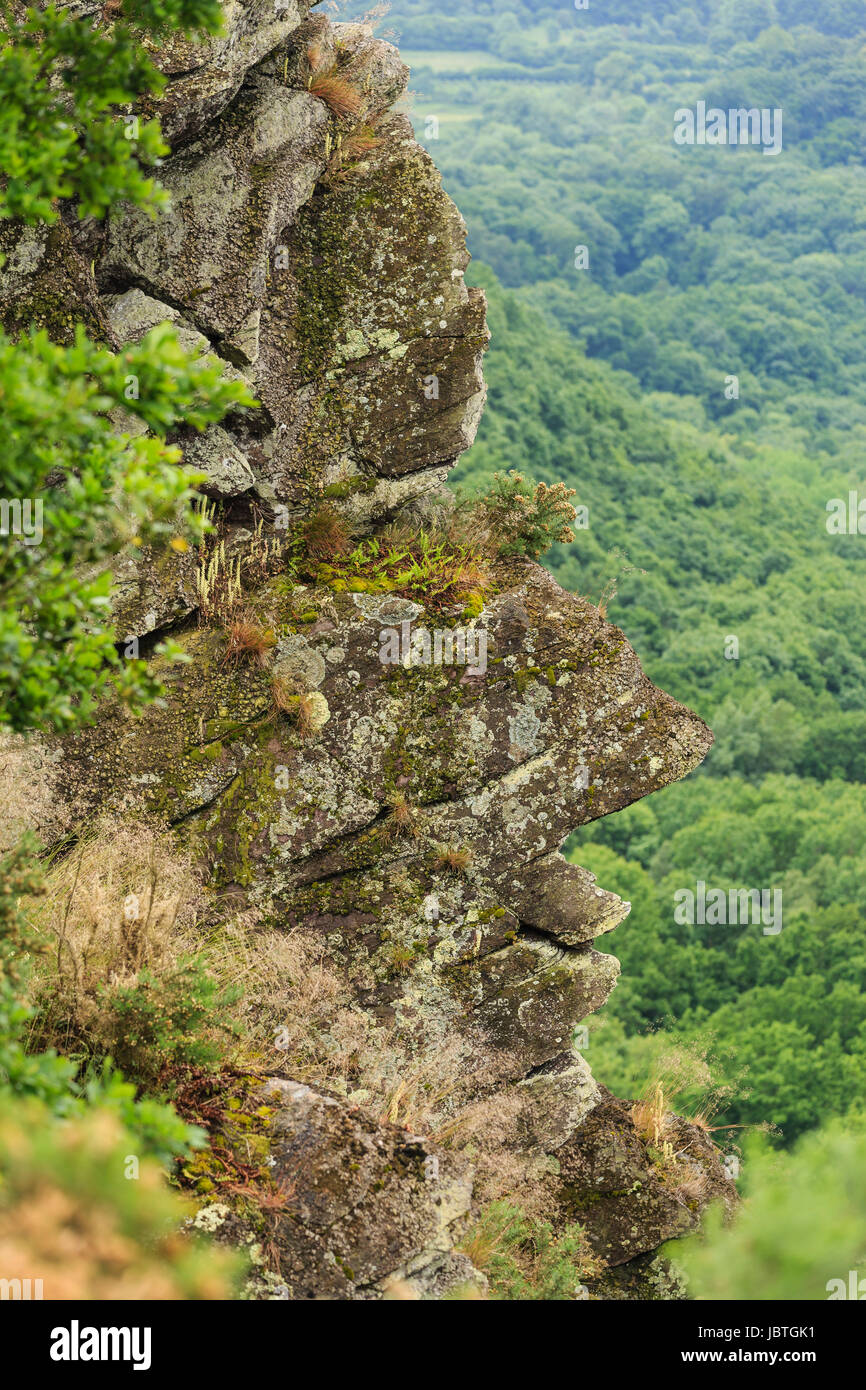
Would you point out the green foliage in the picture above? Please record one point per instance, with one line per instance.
(160, 17)
(88, 492)
(795, 1231)
(61, 137)
(165, 1019)
(523, 1259)
(548, 37)
(527, 518)
(98, 492)
(732, 541)
(431, 566)
(78, 1205)
(65, 138)
(155, 1127)
(785, 1013)
(46, 1077)
(611, 379)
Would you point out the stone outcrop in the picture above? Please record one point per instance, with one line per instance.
(371, 1204)
(317, 256)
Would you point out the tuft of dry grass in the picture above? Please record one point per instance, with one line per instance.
(124, 899)
(298, 1016)
(403, 815)
(248, 642)
(297, 1013)
(283, 696)
(453, 859)
(486, 1240)
(691, 1188)
(424, 1084)
(325, 534)
(29, 802)
(311, 713)
(652, 1115)
(362, 141)
(490, 1131)
(324, 81)
(308, 709)
(349, 152)
(679, 1076)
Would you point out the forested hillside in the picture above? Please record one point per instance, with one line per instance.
(631, 280)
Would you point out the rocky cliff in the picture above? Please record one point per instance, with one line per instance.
(400, 821)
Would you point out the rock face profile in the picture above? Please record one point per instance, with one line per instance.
(400, 818)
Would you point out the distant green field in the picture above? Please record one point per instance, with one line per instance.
(446, 60)
(423, 105)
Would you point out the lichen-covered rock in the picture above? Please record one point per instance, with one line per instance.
(488, 951)
(203, 76)
(330, 275)
(402, 818)
(232, 191)
(363, 1208)
(152, 590)
(46, 283)
(226, 469)
(628, 1197)
(371, 344)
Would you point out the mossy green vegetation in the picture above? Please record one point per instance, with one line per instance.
(524, 1260)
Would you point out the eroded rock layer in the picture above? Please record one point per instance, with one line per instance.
(409, 832)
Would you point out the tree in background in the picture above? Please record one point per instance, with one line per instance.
(798, 1235)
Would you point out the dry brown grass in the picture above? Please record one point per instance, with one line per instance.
(404, 818)
(307, 709)
(326, 534)
(308, 713)
(349, 154)
(283, 696)
(680, 1074)
(297, 1014)
(338, 91)
(426, 1082)
(691, 1188)
(488, 1131)
(28, 800)
(652, 1114)
(484, 1242)
(453, 859)
(248, 642)
(122, 900)
(362, 141)
(470, 529)
(471, 575)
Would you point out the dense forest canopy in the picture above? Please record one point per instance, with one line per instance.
(613, 369)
